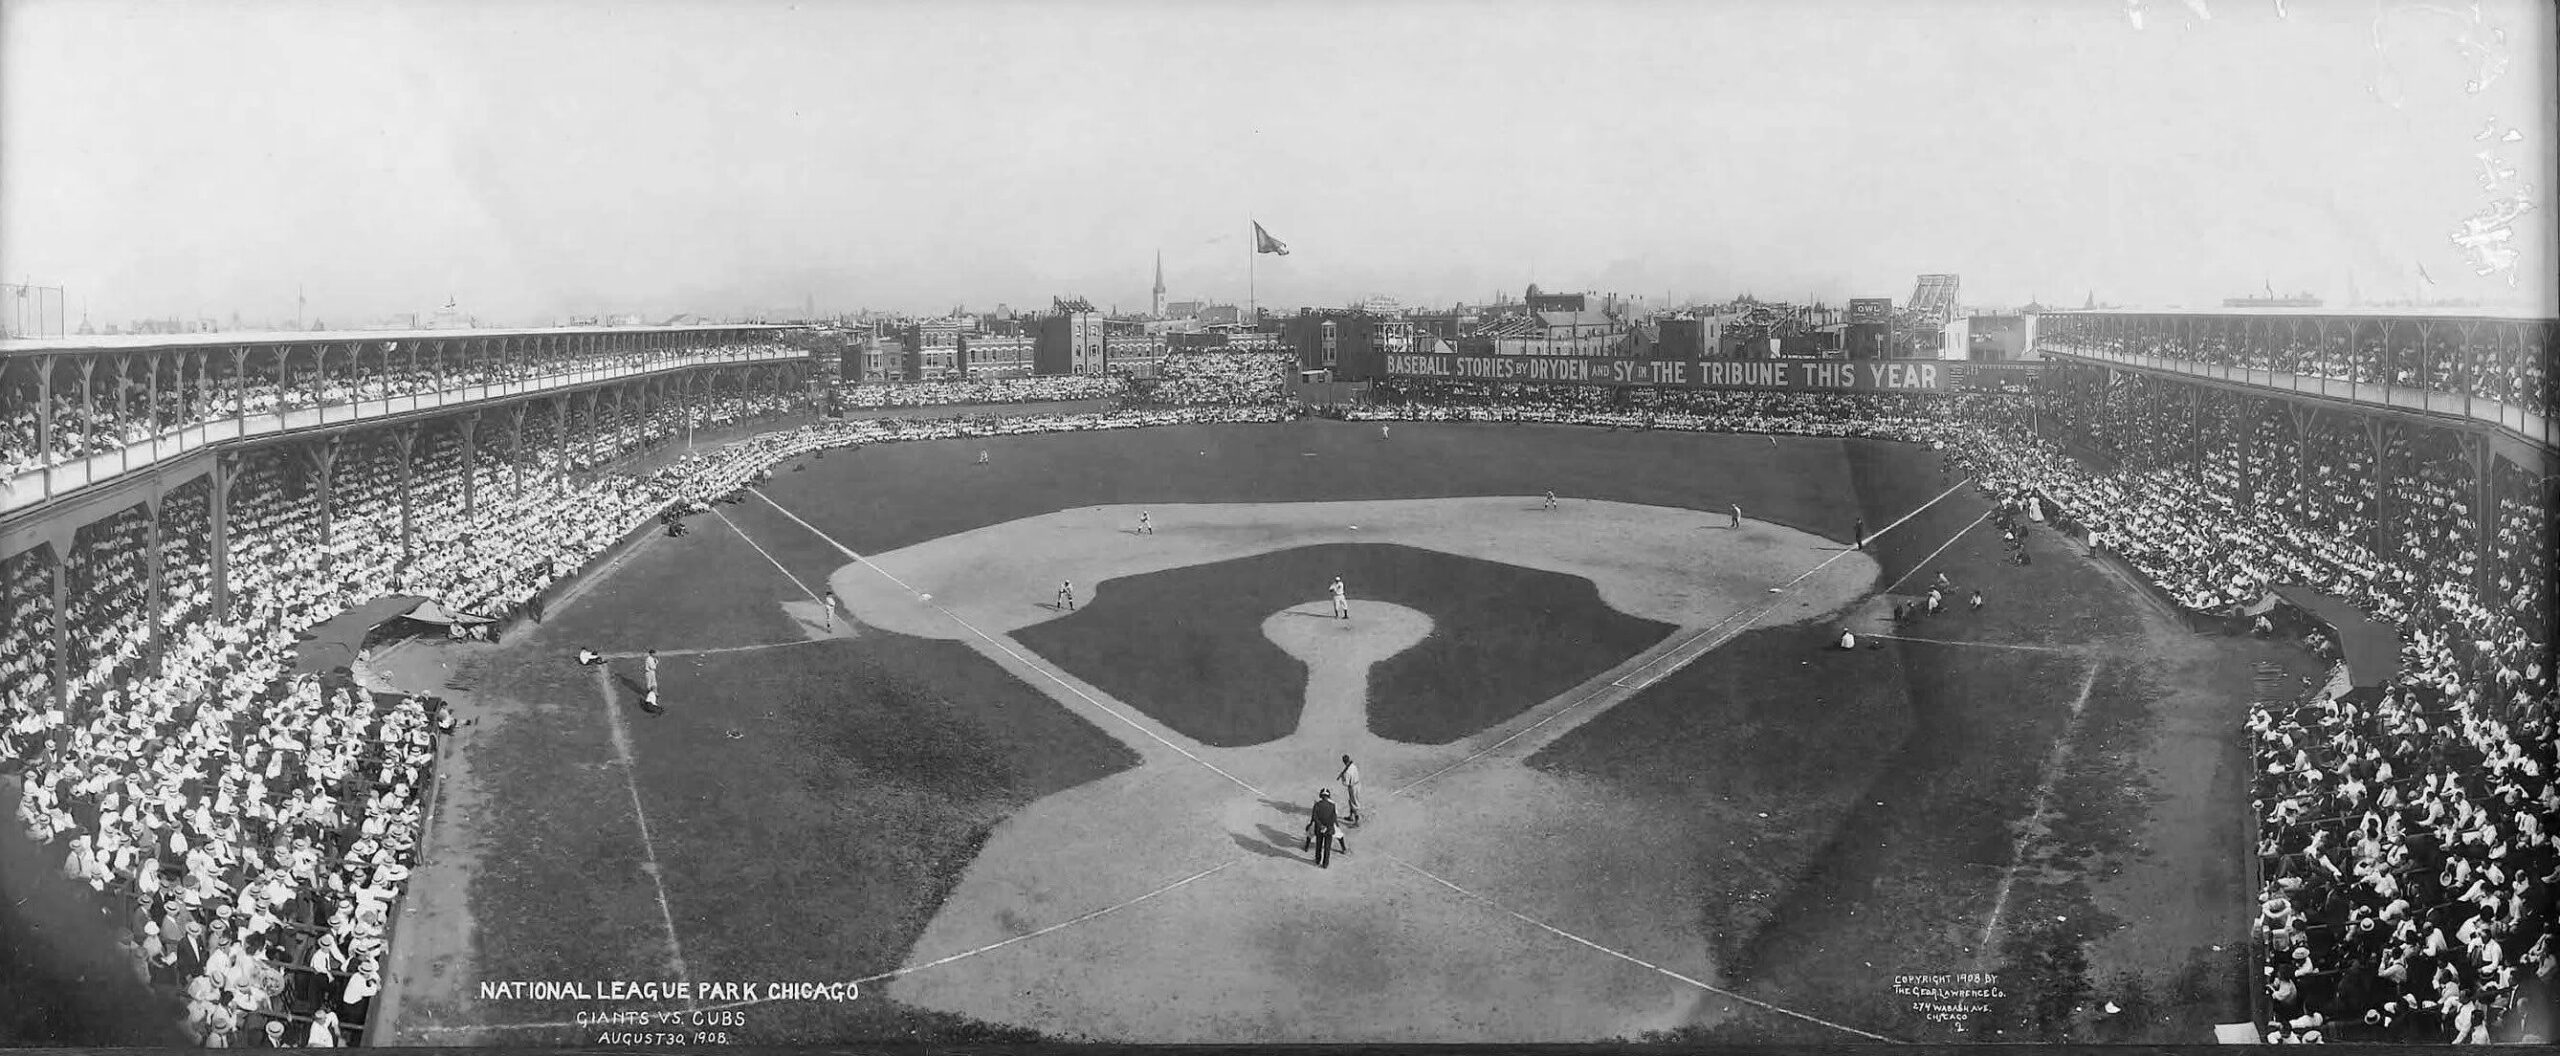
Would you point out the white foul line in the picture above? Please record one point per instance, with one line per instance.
(1001, 646)
(1711, 630)
(1781, 591)
(1942, 548)
(630, 781)
(715, 650)
(2044, 792)
(892, 974)
(913, 968)
(777, 565)
(2019, 646)
(1630, 958)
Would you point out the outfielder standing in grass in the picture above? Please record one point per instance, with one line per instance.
(649, 681)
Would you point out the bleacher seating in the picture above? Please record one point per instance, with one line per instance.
(2409, 860)
(268, 385)
(881, 396)
(2408, 870)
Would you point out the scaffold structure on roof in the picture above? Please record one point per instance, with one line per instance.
(1934, 297)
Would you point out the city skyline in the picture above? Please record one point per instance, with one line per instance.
(567, 159)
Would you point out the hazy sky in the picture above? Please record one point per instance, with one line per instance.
(553, 157)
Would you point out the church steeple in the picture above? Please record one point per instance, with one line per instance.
(1158, 309)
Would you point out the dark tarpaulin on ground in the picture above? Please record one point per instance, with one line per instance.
(2372, 649)
(333, 645)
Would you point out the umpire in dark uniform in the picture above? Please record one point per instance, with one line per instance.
(1322, 823)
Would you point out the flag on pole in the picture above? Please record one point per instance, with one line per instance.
(1264, 243)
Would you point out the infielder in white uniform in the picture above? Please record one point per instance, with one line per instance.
(1341, 604)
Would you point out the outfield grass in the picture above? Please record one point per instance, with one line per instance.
(810, 803)
(1889, 855)
(877, 499)
(661, 597)
(1186, 645)
(1905, 882)
(1888, 776)
(1768, 743)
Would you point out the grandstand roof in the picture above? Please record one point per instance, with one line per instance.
(2370, 311)
(122, 342)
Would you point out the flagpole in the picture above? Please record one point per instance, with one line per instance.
(1252, 249)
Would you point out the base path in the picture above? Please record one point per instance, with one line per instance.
(1270, 948)
(1681, 567)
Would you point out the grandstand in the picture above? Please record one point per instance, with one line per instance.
(2400, 465)
(182, 509)
(180, 512)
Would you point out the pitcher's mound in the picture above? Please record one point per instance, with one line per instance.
(1375, 631)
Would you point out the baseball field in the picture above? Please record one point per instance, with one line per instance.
(1617, 783)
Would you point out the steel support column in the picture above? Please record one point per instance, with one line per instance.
(155, 600)
(226, 471)
(470, 426)
(406, 440)
(62, 622)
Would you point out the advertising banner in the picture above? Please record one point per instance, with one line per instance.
(1779, 375)
(1870, 309)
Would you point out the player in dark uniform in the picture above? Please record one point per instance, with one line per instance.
(1323, 827)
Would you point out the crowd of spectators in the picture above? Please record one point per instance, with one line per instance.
(882, 396)
(259, 826)
(2503, 360)
(1217, 379)
(2407, 856)
(2408, 865)
(1878, 416)
(118, 411)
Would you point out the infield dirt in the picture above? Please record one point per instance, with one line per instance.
(1096, 854)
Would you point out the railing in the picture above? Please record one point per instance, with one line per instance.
(45, 483)
(2532, 428)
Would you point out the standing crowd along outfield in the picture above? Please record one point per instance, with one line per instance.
(250, 826)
